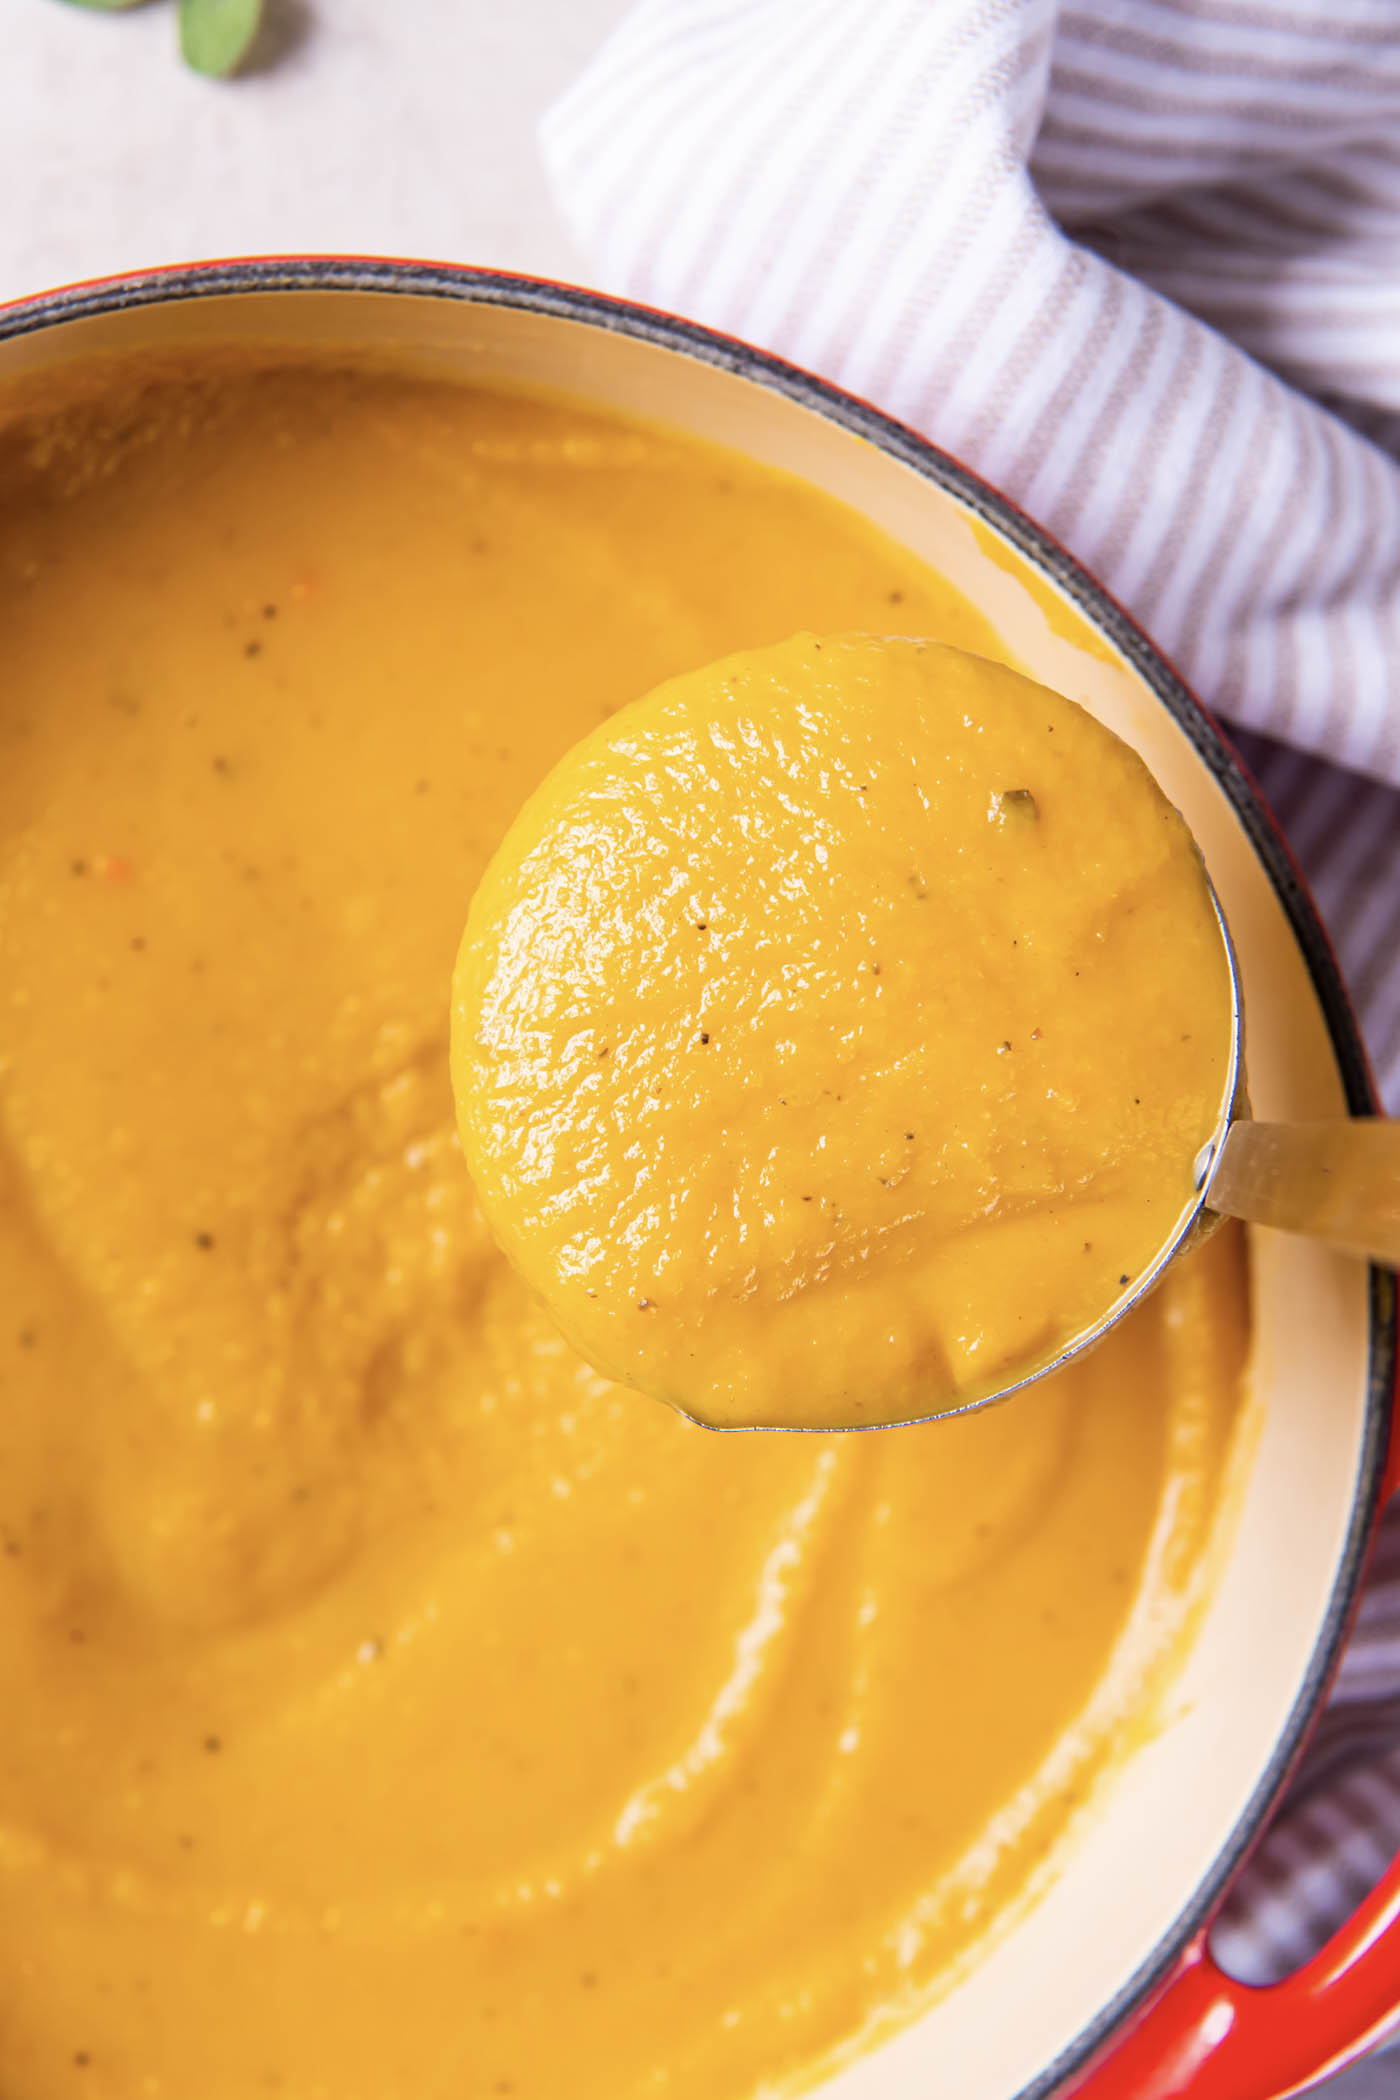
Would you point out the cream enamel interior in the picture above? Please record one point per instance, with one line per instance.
(1154, 1836)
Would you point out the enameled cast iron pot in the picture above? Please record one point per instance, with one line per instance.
(1105, 1988)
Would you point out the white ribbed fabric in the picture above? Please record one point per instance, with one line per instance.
(1138, 263)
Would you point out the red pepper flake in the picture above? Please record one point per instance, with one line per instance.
(111, 867)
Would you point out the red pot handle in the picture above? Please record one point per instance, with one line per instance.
(1206, 2037)
(1210, 2038)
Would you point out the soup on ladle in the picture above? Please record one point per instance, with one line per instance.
(838, 1032)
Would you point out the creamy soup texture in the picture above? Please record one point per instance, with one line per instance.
(835, 1033)
(396, 1709)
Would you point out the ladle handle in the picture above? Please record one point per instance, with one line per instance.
(1338, 1182)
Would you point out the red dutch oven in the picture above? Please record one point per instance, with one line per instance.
(1105, 1986)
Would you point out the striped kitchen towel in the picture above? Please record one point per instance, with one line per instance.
(1138, 263)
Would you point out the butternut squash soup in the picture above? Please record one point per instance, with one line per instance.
(836, 1031)
(395, 1709)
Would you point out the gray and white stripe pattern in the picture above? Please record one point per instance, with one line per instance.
(1138, 263)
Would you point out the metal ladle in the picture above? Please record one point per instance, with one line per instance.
(1338, 1181)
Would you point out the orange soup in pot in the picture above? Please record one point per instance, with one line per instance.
(398, 1710)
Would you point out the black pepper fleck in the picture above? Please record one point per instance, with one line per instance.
(213, 1744)
(704, 1037)
(204, 1241)
(252, 648)
(1122, 1279)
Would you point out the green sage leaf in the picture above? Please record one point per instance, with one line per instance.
(215, 35)
(107, 7)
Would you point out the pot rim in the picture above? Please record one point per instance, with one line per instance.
(262, 276)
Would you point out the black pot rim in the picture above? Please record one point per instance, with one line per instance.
(270, 275)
